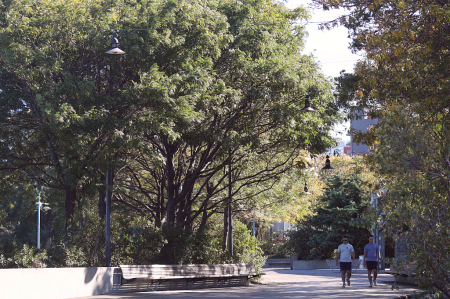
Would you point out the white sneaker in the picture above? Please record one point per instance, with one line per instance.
(374, 282)
(348, 282)
(370, 285)
(343, 285)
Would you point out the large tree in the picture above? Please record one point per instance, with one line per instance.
(404, 81)
(202, 85)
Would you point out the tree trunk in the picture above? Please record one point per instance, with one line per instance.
(71, 198)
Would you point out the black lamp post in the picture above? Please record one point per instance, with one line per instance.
(306, 189)
(327, 164)
(109, 173)
(230, 211)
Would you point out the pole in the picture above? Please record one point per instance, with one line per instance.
(230, 216)
(254, 226)
(109, 182)
(39, 222)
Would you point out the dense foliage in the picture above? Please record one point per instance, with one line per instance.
(203, 85)
(404, 81)
(343, 210)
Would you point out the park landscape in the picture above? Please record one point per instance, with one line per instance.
(172, 151)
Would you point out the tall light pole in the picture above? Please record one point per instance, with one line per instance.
(230, 216)
(379, 236)
(114, 50)
(45, 207)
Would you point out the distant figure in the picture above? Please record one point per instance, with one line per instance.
(345, 255)
(371, 258)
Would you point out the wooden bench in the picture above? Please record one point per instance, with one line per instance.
(170, 277)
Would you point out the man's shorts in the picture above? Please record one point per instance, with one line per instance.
(346, 266)
(372, 265)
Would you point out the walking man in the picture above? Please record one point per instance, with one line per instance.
(371, 258)
(345, 255)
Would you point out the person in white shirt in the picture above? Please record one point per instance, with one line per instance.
(345, 255)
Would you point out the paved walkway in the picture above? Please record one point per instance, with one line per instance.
(286, 283)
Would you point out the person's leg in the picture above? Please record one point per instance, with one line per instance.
(369, 275)
(349, 274)
(343, 270)
(375, 276)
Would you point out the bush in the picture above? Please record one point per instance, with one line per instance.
(26, 257)
(246, 247)
(63, 255)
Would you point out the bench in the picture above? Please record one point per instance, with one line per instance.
(279, 263)
(403, 272)
(170, 277)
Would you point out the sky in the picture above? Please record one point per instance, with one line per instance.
(330, 47)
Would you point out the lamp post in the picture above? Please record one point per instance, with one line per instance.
(379, 237)
(306, 190)
(45, 207)
(230, 216)
(254, 226)
(327, 164)
(114, 50)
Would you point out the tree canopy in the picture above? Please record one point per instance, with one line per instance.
(203, 85)
(404, 81)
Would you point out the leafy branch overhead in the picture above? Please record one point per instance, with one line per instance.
(404, 82)
(202, 85)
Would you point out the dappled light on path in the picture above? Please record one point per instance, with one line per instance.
(286, 283)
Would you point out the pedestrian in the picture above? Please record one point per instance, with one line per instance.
(371, 259)
(345, 255)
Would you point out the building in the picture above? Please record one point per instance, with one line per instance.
(363, 126)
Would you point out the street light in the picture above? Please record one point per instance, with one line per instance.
(307, 107)
(45, 207)
(327, 164)
(306, 190)
(230, 210)
(109, 174)
(115, 45)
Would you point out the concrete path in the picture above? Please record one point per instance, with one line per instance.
(286, 283)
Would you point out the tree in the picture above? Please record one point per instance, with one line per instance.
(222, 86)
(341, 208)
(404, 81)
(203, 85)
(238, 105)
(346, 212)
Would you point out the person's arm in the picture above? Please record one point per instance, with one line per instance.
(379, 255)
(338, 255)
(365, 256)
(353, 256)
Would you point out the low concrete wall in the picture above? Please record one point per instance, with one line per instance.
(58, 283)
(309, 265)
